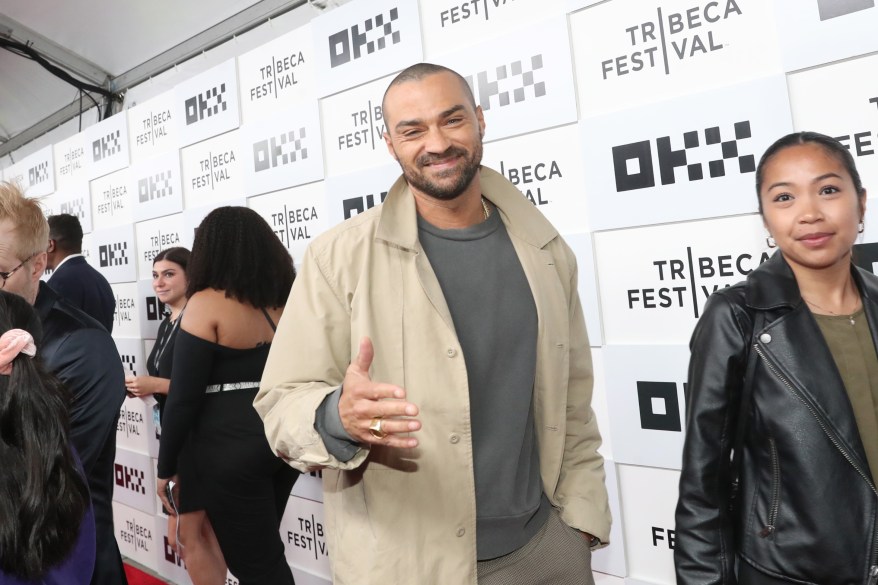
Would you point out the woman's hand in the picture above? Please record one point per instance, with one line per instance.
(143, 386)
(168, 494)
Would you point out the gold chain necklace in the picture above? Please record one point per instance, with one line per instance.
(485, 208)
(850, 317)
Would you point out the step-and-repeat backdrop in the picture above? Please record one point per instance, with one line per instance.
(635, 127)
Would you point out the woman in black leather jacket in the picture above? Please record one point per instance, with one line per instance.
(784, 370)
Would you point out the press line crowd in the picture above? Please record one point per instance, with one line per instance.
(432, 359)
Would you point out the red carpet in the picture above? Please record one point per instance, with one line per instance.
(138, 577)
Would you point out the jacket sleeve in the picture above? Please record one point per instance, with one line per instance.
(88, 364)
(582, 490)
(705, 547)
(308, 359)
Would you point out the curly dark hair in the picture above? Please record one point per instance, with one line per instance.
(43, 496)
(236, 252)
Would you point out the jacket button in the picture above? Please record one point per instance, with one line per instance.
(454, 439)
(451, 352)
(765, 338)
(461, 531)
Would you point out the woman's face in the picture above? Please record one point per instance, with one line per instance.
(810, 207)
(169, 281)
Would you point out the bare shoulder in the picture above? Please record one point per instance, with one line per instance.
(200, 316)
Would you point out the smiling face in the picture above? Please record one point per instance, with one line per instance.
(811, 207)
(435, 133)
(169, 282)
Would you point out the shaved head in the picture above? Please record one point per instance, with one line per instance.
(418, 72)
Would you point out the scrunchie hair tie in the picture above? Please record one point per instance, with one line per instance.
(12, 343)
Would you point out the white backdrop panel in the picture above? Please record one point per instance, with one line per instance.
(156, 186)
(547, 168)
(134, 481)
(75, 199)
(112, 252)
(136, 535)
(112, 204)
(213, 170)
(649, 497)
(126, 318)
(106, 146)
(361, 41)
(459, 23)
(135, 430)
(277, 74)
(154, 236)
(131, 353)
(671, 47)
(654, 281)
(645, 393)
(35, 174)
(582, 247)
(523, 82)
(599, 403)
(850, 115)
(689, 158)
(207, 104)
(151, 127)
(354, 193)
(169, 564)
(282, 151)
(848, 25)
(611, 559)
(353, 127)
(303, 533)
(295, 215)
(71, 160)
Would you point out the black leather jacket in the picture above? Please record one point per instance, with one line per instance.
(806, 508)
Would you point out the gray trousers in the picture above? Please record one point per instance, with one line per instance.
(556, 555)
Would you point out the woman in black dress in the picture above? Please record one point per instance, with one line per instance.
(240, 276)
(189, 530)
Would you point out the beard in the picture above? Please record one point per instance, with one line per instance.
(461, 177)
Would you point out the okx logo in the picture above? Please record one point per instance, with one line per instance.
(357, 205)
(155, 187)
(106, 146)
(207, 104)
(129, 363)
(866, 256)
(512, 83)
(377, 34)
(38, 173)
(279, 150)
(659, 408)
(835, 8)
(155, 309)
(633, 162)
(113, 254)
(75, 207)
(130, 478)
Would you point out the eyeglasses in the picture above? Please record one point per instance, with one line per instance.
(5, 275)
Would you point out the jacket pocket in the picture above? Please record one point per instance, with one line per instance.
(774, 494)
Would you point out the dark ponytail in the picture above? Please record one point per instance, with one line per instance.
(43, 496)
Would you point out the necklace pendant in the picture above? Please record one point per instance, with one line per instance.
(853, 322)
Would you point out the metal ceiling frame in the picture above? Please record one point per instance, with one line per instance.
(246, 20)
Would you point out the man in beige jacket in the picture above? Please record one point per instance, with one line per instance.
(433, 359)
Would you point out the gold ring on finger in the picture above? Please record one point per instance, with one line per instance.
(375, 428)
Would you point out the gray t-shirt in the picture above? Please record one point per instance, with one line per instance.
(495, 319)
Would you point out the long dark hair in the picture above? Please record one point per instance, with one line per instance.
(43, 497)
(829, 144)
(236, 252)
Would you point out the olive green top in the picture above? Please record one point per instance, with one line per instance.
(856, 359)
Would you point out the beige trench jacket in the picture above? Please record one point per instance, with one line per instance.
(408, 516)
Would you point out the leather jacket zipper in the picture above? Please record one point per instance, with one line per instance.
(873, 570)
(771, 525)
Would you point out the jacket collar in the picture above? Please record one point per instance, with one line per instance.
(398, 224)
(773, 285)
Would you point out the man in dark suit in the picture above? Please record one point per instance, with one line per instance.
(74, 279)
(78, 350)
